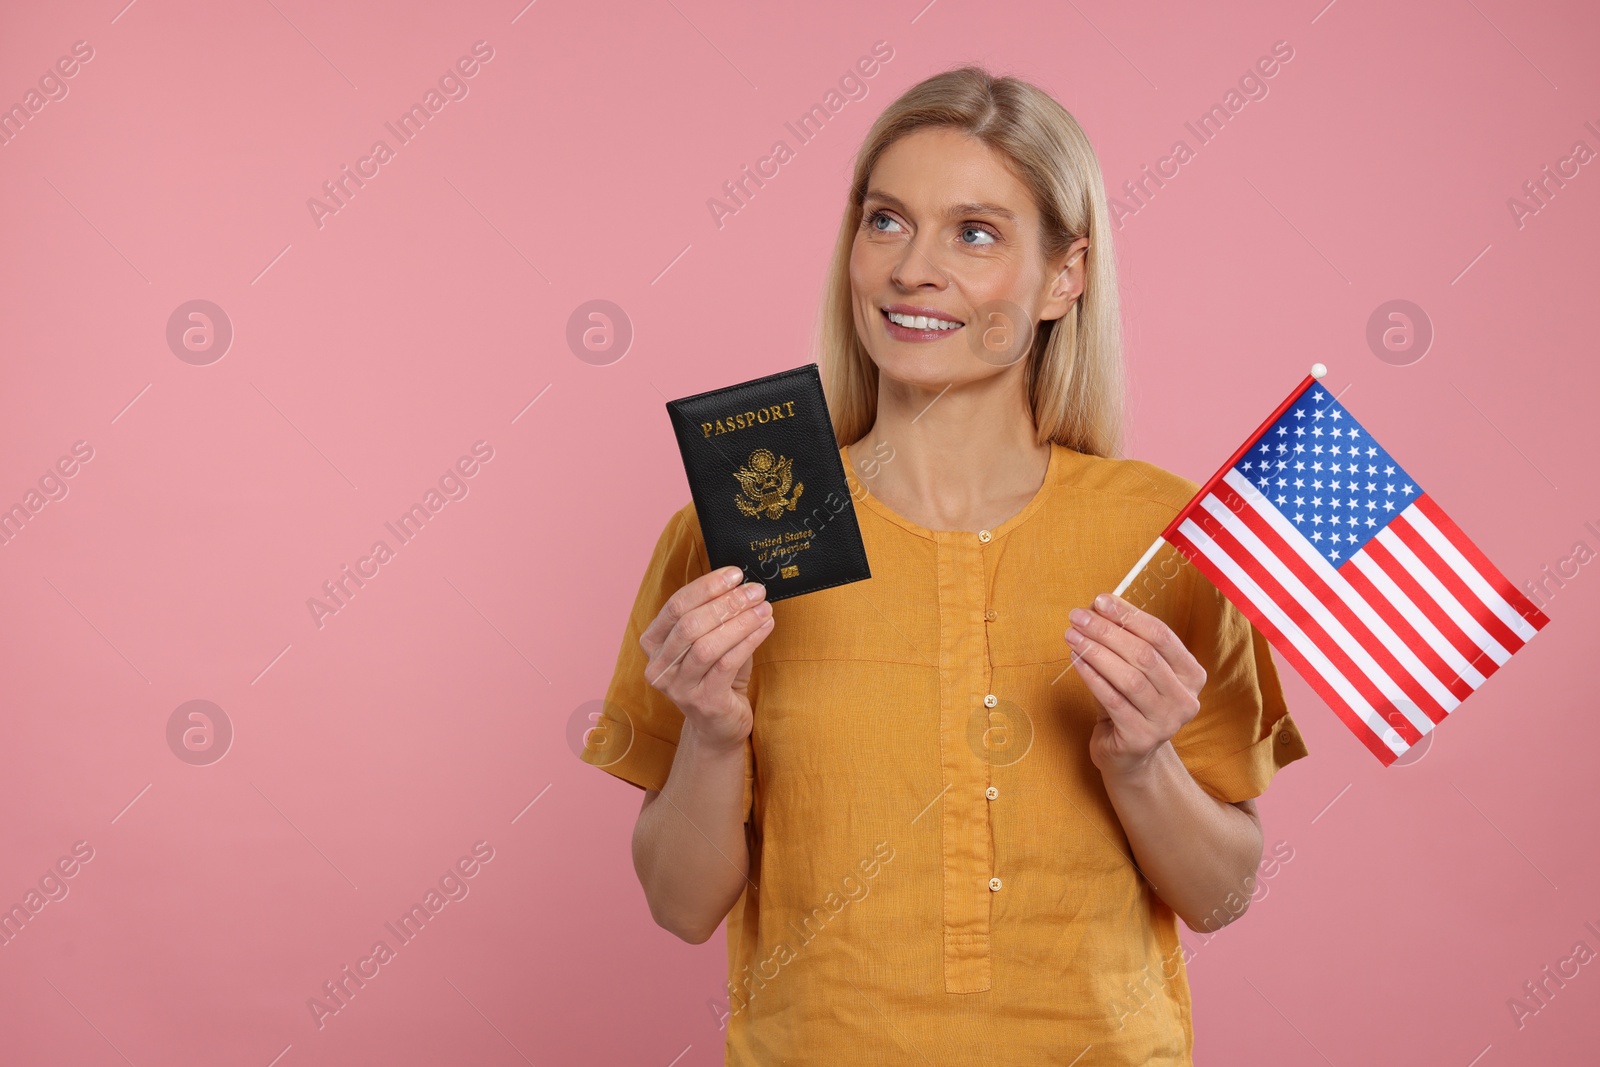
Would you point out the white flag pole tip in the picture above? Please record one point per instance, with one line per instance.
(1318, 370)
(1137, 567)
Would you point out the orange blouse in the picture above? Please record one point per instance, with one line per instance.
(942, 878)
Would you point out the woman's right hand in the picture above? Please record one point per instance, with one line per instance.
(700, 647)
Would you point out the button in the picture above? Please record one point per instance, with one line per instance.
(990, 700)
(990, 615)
(1285, 737)
(985, 536)
(992, 793)
(994, 884)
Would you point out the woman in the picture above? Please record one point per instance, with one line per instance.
(943, 829)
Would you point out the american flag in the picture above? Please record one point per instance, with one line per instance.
(1353, 572)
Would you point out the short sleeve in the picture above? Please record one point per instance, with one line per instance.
(1242, 733)
(636, 734)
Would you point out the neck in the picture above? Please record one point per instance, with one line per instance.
(954, 457)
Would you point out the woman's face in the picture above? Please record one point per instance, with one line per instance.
(948, 232)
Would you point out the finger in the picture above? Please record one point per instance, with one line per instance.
(1157, 634)
(698, 639)
(692, 595)
(1090, 640)
(722, 672)
(1127, 718)
(1132, 649)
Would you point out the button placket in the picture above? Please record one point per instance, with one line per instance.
(965, 835)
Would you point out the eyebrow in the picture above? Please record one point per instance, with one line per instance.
(953, 211)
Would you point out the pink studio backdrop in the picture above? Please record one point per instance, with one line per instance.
(376, 344)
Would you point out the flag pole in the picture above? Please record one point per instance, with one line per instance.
(1317, 371)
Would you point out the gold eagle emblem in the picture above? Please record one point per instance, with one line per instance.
(766, 479)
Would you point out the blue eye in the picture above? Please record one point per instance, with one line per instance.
(873, 218)
(977, 229)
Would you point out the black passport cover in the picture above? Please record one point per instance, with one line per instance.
(768, 484)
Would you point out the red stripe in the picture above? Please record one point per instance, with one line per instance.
(1424, 602)
(1401, 625)
(1286, 648)
(1177, 520)
(1456, 536)
(1309, 625)
(1318, 586)
(1452, 581)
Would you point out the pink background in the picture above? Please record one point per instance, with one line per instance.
(429, 713)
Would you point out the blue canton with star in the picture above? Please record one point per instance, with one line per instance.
(1331, 480)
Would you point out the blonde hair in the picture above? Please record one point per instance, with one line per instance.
(1074, 366)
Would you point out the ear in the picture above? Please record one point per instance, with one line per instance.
(1067, 279)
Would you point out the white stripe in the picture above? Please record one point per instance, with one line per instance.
(1471, 575)
(1442, 596)
(1351, 596)
(1286, 626)
(1421, 623)
(1312, 605)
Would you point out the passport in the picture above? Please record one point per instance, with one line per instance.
(768, 484)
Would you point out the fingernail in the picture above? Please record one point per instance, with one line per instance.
(754, 591)
(762, 610)
(1104, 602)
(732, 575)
(1078, 615)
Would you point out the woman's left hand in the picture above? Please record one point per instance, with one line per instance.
(1147, 683)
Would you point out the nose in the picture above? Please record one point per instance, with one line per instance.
(915, 266)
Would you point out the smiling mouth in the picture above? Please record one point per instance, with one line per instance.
(921, 322)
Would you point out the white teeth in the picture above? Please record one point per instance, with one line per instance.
(921, 322)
